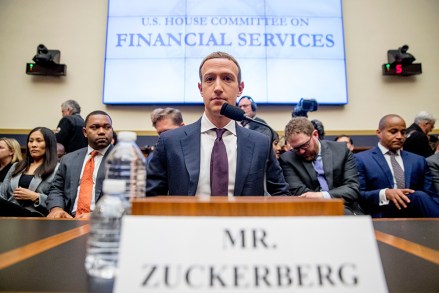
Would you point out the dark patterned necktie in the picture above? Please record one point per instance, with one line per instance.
(219, 166)
(398, 172)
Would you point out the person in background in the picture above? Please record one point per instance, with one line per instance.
(69, 129)
(318, 125)
(10, 153)
(214, 156)
(433, 164)
(317, 168)
(163, 120)
(393, 182)
(166, 119)
(27, 182)
(417, 140)
(344, 138)
(65, 199)
(249, 106)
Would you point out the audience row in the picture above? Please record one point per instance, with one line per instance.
(217, 156)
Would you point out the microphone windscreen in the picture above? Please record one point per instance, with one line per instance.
(232, 112)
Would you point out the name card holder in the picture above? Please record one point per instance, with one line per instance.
(222, 206)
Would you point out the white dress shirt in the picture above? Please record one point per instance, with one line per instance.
(97, 163)
(208, 137)
(384, 150)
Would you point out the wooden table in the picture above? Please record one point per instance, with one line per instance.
(40, 255)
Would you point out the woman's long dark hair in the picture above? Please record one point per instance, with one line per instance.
(50, 158)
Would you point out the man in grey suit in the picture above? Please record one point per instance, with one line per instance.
(62, 200)
(183, 163)
(433, 164)
(319, 169)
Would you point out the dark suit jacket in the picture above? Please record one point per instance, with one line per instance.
(66, 182)
(175, 166)
(375, 174)
(260, 128)
(37, 184)
(417, 141)
(70, 133)
(340, 173)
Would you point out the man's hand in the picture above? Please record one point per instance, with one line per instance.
(399, 197)
(59, 213)
(310, 194)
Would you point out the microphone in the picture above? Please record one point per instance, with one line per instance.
(237, 114)
(234, 113)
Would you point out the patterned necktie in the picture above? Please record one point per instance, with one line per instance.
(318, 167)
(398, 172)
(86, 186)
(219, 166)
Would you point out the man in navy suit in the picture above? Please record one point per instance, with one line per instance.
(181, 164)
(62, 200)
(385, 194)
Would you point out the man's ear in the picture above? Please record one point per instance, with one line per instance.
(240, 88)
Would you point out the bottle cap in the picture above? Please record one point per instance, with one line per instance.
(127, 136)
(113, 186)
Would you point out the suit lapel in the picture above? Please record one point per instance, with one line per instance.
(327, 164)
(101, 174)
(407, 169)
(378, 156)
(245, 149)
(190, 146)
(35, 182)
(76, 166)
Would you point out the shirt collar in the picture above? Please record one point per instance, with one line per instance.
(207, 125)
(384, 150)
(101, 151)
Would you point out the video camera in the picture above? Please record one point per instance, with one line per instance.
(304, 106)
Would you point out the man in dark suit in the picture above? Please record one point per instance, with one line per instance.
(319, 169)
(69, 130)
(62, 200)
(249, 106)
(393, 182)
(417, 140)
(183, 163)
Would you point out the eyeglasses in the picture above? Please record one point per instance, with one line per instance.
(304, 146)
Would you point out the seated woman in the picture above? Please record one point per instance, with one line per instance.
(10, 152)
(27, 182)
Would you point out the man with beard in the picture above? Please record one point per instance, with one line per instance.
(68, 196)
(316, 168)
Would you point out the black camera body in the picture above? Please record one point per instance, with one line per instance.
(304, 106)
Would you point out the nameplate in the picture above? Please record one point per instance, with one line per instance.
(249, 254)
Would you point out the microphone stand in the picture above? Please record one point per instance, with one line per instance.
(273, 135)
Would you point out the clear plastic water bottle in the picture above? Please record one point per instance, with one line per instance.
(126, 162)
(104, 237)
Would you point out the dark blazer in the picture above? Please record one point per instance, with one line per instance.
(260, 128)
(375, 174)
(65, 185)
(37, 184)
(175, 166)
(417, 141)
(70, 133)
(340, 173)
